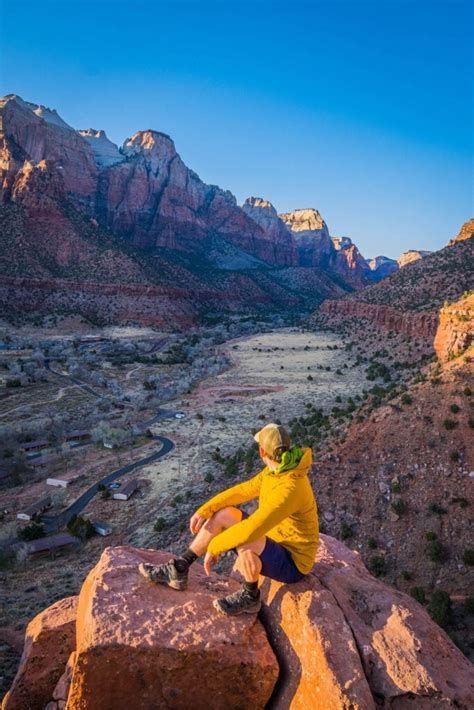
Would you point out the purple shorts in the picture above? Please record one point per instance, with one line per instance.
(277, 562)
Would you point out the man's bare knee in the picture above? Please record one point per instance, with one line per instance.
(224, 518)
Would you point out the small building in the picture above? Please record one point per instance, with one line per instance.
(61, 482)
(78, 434)
(35, 445)
(102, 528)
(48, 544)
(127, 490)
(35, 510)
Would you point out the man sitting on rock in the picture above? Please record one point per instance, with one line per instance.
(279, 540)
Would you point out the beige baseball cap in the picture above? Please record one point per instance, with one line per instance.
(271, 438)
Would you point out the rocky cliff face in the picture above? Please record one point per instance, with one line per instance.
(381, 267)
(313, 243)
(421, 325)
(408, 301)
(147, 206)
(411, 255)
(466, 232)
(455, 332)
(143, 192)
(342, 639)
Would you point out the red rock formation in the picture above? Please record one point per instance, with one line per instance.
(349, 263)
(50, 638)
(415, 324)
(139, 645)
(466, 232)
(343, 640)
(455, 331)
(346, 640)
(33, 133)
(313, 243)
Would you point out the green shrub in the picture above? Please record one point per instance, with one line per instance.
(454, 456)
(371, 543)
(209, 478)
(377, 566)
(399, 506)
(33, 531)
(439, 607)
(449, 424)
(469, 605)
(346, 531)
(435, 508)
(407, 575)
(7, 559)
(396, 488)
(81, 527)
(418, 593)
(467, 391)
(435, 551)
(406, 399)
(468, 557)
(430, 535)
(455, 408)
(159, 525)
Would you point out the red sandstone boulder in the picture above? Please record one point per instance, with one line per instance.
(50, 638)
(140, 645)
(346, 640)
(320, 667)
(408, 659)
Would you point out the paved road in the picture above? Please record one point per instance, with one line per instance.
(53, 524)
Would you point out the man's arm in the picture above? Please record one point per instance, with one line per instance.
(282, 503)
(240, 493)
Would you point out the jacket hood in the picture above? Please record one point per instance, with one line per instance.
(303, 464)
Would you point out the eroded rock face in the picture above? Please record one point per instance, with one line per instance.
(313, 243)
(346, 640)
(416, 324)
(412, 255)
(320, 667)
(455, 331)
(408, 660)
(143, 645)
(50, 638)
(343, 639)
(466, 232)
(382, 266)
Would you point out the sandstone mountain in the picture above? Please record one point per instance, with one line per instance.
(382, 266)
(337, 639)
(410, 298)
(78, 210)
(411, 255)
(466, 232)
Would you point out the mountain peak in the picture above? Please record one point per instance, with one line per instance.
(105, 152)
(49, 115)
(151, 142)
(304, 220)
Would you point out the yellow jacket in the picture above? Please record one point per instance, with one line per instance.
(286, 512)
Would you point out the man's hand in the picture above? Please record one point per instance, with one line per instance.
(209, 560)
(196, 523)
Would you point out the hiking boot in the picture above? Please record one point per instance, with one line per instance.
(167, 573)
(240, 602)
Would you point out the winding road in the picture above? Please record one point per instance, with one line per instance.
(55, 523)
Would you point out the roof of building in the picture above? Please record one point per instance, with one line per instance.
(51, 542)
(128, 488)
(38, 506)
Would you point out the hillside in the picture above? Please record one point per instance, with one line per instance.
(396, 481)
(75, 207)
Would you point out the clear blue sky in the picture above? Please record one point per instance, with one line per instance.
(362, 109)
